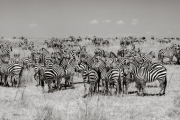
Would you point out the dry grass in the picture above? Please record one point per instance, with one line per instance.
(29, 103)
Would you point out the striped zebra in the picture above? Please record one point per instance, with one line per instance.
(88, 59)
(11, 70)
(38, 70)
(143, 75)
(27, 62)
(101, 67)
(55, 73)
(105, 42)
(81, 51)
(70, 71)
(114, 76)
(147, 58)
(72, 53)
(37, 58)
(6, 51)
(90, 76)
(49, 44)
(99, 52)
(167, 53)
(48, 60)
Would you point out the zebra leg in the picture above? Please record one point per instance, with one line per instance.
(107, 86)
(71, 82)
(110, 89)
(37, 77)
(1, 81)
(163, 85)
(96, 84)
(126, 85)
(66, 82)
(18, 81)
(7, 83)
(117, 88)
(85, 89)
(92, 89)
(138, 88)
(143, 85)
(103, 87)
(121, 86)
(59, 83)
(162, 60)
(171, 59)
(49, 87)
(5, 80)
(42, 84)
(12, 84)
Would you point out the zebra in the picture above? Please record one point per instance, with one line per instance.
(105, 42)
(89, 75)
(38, 70)
(6, 51)
(49, 44)
(100, 66)
(27, 62)
(99, 52)
(88, 59)
(114, 76)
(168, 52)
(54, 73)
(82, 50)
(73, 53)
(12, 70)
(147, 58)
(66, 71)
(70, 71)
(143, 75)
(48, 60)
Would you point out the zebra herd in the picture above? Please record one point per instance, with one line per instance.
(101, 72)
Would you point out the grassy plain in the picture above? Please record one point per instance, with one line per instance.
(29, 103)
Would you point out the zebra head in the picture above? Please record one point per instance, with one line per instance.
(152, 54)
(127, 69)
(81, 67)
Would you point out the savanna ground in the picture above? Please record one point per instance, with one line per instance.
(30, 103)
